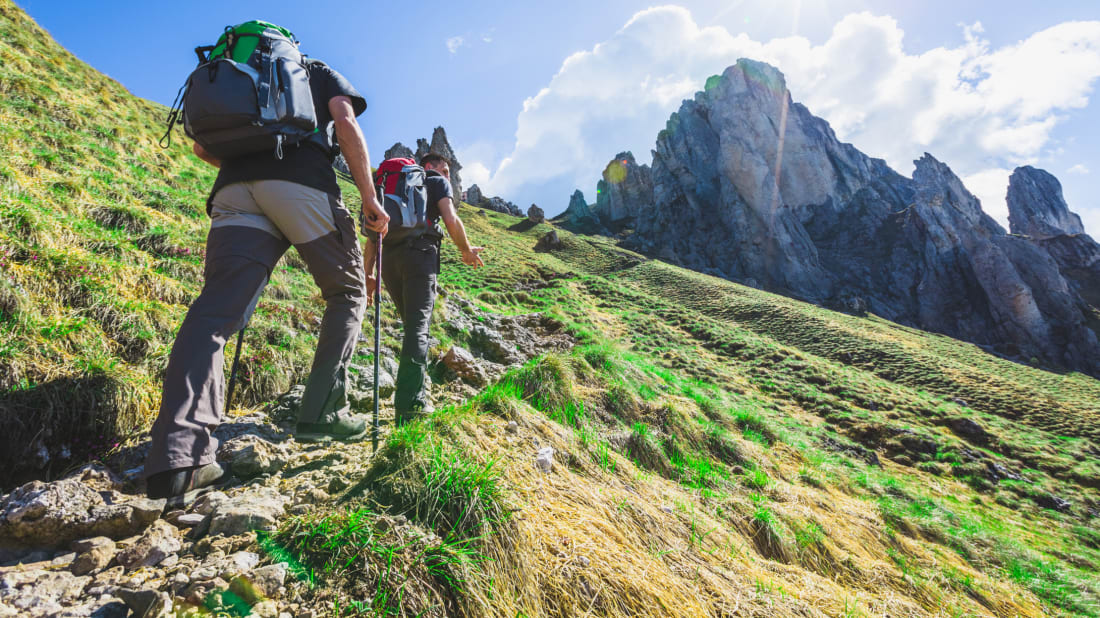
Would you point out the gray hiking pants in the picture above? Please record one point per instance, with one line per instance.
(409, 271)
(253, 224)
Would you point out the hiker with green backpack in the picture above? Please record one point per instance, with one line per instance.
(271, 121)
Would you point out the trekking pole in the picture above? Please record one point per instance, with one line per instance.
(233, 370)
(377, 334)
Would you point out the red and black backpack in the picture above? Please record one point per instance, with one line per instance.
(402, 192)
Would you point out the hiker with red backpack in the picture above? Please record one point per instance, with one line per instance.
(417, 199)
(272, 121)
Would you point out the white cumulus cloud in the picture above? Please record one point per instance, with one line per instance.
(981, 110)
(990, 186)
(1080, 168)
(454, 43)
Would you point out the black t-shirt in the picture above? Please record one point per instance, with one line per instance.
(308, 163)
(439, 187)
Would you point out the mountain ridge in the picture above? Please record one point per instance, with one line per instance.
(748, 185)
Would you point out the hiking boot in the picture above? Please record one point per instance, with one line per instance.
(419, 411)
(183, 485)
(344, 428)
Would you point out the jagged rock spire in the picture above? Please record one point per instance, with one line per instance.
(1036, 206)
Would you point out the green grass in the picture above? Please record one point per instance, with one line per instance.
(383, 573)
(758, 408)
(790, 355)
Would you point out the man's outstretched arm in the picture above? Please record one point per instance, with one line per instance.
(354, 148)
(457, 231)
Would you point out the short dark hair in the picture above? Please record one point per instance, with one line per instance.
(432, 159)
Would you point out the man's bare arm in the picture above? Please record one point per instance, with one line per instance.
(458, 233)
(201, 153)
(354, 148)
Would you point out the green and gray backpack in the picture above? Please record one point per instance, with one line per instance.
(249, 94)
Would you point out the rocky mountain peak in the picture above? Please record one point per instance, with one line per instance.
(475, 197)
(938, 186)
(749, 185)
(580, 216)
(1036, 206)
(399, 151)
(440, 146)
(578, 206)
(624, 192)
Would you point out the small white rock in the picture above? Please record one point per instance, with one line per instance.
(211, 501)
(545, 459)
(204, 573)
(245, 559)
(189, 520)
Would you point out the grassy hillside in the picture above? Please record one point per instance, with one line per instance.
(101, 251)
(719, 450)
(727, 447)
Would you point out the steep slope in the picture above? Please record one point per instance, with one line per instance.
(750, 186)
(101, 251)
(717, 449)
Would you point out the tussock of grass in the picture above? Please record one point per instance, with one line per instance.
(375, 569)
(547, 382)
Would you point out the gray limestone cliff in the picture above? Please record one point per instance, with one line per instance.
(749, 185)
(399, 151)
(1037, 208)
(624, 192)
(475, 197)
(580, 217)
(440, 146)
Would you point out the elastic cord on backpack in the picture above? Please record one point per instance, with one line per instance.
(174, 114)
(230, 41)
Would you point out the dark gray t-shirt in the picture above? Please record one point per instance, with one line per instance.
(308, 163)
(439, 187)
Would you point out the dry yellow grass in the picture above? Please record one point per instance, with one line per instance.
(586, 541)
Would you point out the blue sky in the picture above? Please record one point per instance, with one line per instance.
(532, 126)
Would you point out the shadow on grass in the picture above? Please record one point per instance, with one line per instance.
(74, 415)
(522, 226)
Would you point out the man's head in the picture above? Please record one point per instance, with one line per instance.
(437, 163)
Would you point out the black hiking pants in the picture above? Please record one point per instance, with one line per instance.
(409, 271)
